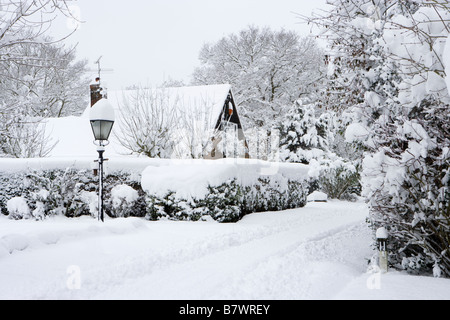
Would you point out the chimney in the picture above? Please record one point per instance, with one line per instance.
(95, 91)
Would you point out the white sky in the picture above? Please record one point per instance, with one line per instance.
(149, 41)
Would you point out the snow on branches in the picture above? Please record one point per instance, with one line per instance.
(387, 67)
(269, 70)
(39, 76)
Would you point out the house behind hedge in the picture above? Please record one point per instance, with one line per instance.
(209, 110)
(205, 115)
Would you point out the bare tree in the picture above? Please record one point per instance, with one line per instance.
(269, 70)
(27, 140)
(195, 128)
(49, 78)
(170, 123)
(147, 122)
(27, 21)
(39, 77)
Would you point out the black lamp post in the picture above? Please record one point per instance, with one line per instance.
(102, 120)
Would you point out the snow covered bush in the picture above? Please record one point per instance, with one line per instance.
(223, 202)
(229, 201)
(71, 193)
(272, 194)
(223, 190)
(303, 134)
(308, 135)
(11, 185)
(407, 186)
(59, 192)
(122, 191)
(18, 185)
(40, 199)
(169, 206)
(18, 208)
(388, 68)
(123, 198)
(337, 177)
(411, 143)
(192, 190)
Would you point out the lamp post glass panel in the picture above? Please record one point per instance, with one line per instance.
(102, 121)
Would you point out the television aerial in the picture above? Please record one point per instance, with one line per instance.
(100, 70)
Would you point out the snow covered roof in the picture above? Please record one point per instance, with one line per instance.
(74, 134)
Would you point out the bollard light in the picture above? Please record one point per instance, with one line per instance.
(102, 120)
(382, 236)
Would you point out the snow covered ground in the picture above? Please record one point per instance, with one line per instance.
(316, 252)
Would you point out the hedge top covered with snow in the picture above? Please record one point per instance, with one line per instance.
(115, 164)
(187, 178)
(191, 178)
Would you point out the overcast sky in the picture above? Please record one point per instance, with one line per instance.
(149, 41)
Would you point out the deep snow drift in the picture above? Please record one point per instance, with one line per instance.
(316, 252)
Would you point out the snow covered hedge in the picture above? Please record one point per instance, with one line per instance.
(224, 190)
(70, 192)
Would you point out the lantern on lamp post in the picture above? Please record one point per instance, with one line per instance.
(102, 120)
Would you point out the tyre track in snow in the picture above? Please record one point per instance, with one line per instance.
(207, 265)
(205, 269)
(317, 268)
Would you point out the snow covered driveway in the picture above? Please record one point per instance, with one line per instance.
(314, 252)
